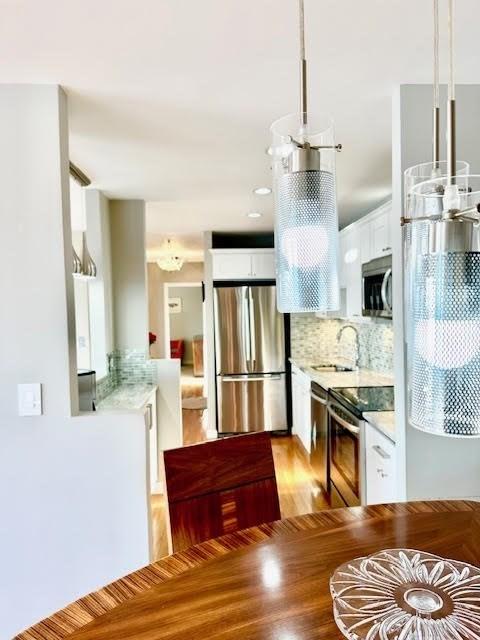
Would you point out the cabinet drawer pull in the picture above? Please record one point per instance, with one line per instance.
(381, 452)
(149, 416)
(387, 249)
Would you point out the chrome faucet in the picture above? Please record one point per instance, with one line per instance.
(357, 340)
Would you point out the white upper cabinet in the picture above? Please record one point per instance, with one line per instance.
(239, 264)
(360, 242)
(351, 270)
(364, 233)
(263, 264)
(380, 234)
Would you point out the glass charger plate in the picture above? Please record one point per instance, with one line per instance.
(403, 594)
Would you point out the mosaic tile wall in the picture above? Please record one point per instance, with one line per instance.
(127, 366)
(105, 386)
(314, 340)
(132, 366)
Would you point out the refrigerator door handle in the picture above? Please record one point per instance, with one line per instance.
(260, 378)
(252, 334)
(247, 333)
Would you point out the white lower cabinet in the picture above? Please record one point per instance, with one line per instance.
(301, 411)
(380, 467)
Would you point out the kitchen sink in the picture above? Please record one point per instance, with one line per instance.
(332, 367)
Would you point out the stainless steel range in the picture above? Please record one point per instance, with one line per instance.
(346, 436)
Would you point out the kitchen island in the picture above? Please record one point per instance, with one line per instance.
(270, 581)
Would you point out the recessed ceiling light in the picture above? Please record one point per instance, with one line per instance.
(262, 191)
(254, 214)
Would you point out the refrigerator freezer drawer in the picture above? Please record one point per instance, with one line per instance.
(251, 403)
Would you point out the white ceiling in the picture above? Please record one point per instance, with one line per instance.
(171, 100)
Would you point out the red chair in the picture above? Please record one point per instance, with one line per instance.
(177, 349)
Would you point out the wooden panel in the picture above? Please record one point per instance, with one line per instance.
(264, 590)
(212, 515)
(218, 465)
(218, 487)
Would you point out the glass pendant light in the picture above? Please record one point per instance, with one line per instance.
(306, 221)
(442, 307)
(84, 268)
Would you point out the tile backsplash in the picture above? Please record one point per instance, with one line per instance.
(126, 366)
(314, 340)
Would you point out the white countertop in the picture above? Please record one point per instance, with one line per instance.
(127, 396)
(330, 379)
(384, 421)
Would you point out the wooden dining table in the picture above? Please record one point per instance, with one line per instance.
(269, 582)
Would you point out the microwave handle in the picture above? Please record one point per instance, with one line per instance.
(388, 274)
(346, 425)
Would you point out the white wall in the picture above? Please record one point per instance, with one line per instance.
(209, 333)
(170, 430)
(100, 288)
(74, 513)
(73, 490)
(430, 466)
(82, 323)
(127, 228)
(189, 322)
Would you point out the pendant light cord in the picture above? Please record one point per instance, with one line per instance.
(436, 65)
(451, 128)
(303, 64)
(301, 13)
(436, 90)
(451, 41)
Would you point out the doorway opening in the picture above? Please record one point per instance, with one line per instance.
(184, 340)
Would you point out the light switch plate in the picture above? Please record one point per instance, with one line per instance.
(30, 399)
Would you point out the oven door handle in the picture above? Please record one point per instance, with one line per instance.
(317, 398)
(346, 425)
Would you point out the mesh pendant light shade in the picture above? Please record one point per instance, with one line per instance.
(443, 312)
(306, 221)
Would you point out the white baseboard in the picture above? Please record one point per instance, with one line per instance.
(212, 434)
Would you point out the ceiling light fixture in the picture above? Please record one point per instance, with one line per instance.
(254, 214)
(170, 261)
(442, 317)
(306, 220)
(262, 191)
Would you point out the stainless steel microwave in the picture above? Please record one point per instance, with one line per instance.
(377, 287)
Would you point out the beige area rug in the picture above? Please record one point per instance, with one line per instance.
(194, 403)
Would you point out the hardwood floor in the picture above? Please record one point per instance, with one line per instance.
(193, 419)
(297, 490)
(159, 527)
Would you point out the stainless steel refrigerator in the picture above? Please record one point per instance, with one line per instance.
(250, 359)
